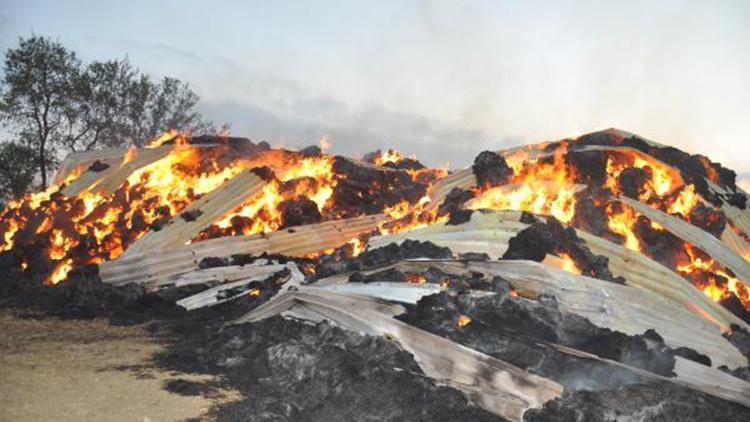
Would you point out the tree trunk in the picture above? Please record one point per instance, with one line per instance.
(43, 165)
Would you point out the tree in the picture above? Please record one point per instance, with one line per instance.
(17, 169)
(40, 75)
(53, 103)
(118, 106)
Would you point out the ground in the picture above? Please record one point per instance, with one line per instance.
(81, 370)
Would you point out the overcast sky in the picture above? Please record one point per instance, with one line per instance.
(440, 79)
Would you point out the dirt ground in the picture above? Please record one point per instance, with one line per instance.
(71, 370)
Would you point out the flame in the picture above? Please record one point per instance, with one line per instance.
(106, 225)
(702, 271)
(463, 320)
(659, 184)
(358, 246)
(399, 210)
(621, 221)
(538, 187)
(130, 155)
(686, 200)
(59, 245)
(405, 216)
(569, 265)
(261, 210)
(535, 197)
(416, 278)
(60, 272)
(94, 227)
(10, 231)
(179, 138)
(389, 156)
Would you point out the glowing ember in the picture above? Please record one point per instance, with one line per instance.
(463, 320)
(415, 278)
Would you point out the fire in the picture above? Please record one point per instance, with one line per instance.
(130, 154)
(416, 278)
(179, 138)
(703, 272)
(399, 210)
(389, 156)
(59, 245)
(538, 186)
(261, 210)
(569, 265)
(621, 221)
(686, 200)
(60, 272)
(535, 197)
(661, 181)
(405, 216)
(92, 228)
(463, 320)
(10, 231)
(358, 246)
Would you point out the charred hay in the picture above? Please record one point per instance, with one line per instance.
(550, 237)
(519, 331)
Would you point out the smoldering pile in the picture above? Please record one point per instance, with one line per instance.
(601, 278)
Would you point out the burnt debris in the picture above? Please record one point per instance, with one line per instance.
(551, 237)
(491, 170)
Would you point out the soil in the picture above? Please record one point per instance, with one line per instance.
(75, 370)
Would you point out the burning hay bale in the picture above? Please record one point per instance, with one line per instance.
(586, 272)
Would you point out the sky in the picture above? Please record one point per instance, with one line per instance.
(441, 79)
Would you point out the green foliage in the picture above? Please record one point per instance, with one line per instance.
(39, 77)
(17, 169)
(54, 104)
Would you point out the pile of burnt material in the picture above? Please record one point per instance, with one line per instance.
(598, 278)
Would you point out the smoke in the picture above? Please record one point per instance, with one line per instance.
(442, 79)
